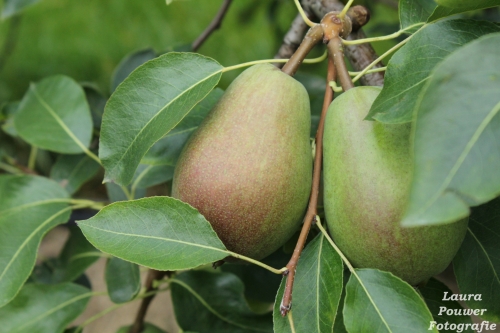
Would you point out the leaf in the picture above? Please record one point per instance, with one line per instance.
(477, 263)
(40, 308)
(96, 103)
(63, 121)
(316, 292)
(8, 110)
(76, 256)
(410, 68)
(456, 135)
(378, 301)
(72, 171)
(216, 301)
(162, 233)
(433, 293)
(148, 328)
(415, 11)
(13, 7)
(148, 104)
(30, 207)
(151, 175)
(471, 5)
(122, 279)
(128, 64)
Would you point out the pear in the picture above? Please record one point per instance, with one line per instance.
(367, 174)
(248, 167)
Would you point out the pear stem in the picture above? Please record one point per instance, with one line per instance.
(313, 37)
(286, 302)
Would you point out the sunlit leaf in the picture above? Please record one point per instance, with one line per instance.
(159, 232)
(148, 104)
(63, 121)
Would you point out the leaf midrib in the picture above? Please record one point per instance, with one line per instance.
(155, 237)
(486, 255)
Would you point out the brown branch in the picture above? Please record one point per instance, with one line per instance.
(214, 25)
(293, 38)
(313, 37)
(286, 302)
(153, 275)
(359, 55)
(336, 53)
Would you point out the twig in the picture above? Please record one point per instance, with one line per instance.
(286, 302)
(153, 275)
(359, 55)
(10, 40)
(313, 37)
(292, 39)
(214, 25)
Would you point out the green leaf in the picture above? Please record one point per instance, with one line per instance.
(410, 68)
(470, 5)
(148, 328)
(452, 7)
(63, 121)
(30, 207)
(116, 193)
(151, 175)
(159, 232)
(128, 64)
(148, 104)
(216, 301)
(72, 171)
(40, 308)
(96, 102)
(122, 279)
(477, 263)
(433, 293)
(415, 11)
(13, 7)
(378, 301)
(456, 135)
(316, 292)
(76, 256)
(8, 110)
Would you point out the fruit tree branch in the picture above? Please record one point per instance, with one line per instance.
(214, 25)
(286, 302)
(359, 55)
(153, 275)
(292, 40)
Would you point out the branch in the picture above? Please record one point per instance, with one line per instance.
(286, 302)
(153, 275)
(359, 55)
(214, 25)
(292, 39)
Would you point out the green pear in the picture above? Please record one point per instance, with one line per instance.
(367, 175)
(248, 167)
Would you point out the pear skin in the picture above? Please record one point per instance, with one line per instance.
(248, 167)
(367, 175)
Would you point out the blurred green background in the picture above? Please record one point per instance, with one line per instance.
(87, 39)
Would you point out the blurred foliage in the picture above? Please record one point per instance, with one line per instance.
(86, 40)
